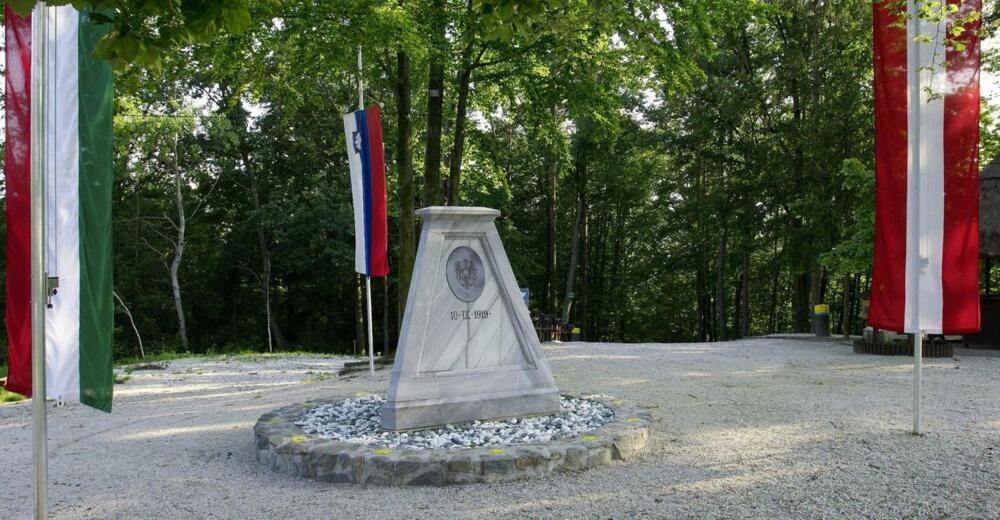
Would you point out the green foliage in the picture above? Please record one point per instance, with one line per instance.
(853, 254)
(143, 30)
(504, 20)
(5, 396)
(721, 149)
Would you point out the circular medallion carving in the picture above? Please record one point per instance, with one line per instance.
(466, 274)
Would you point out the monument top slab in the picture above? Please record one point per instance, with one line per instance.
(456, 211)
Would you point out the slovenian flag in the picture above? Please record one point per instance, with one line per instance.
(925, 274)
(78, 171)
(363, 130)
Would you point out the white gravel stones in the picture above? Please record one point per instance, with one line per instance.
(357, 420)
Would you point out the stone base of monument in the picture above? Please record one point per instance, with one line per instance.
(407, 415)
(287, 448)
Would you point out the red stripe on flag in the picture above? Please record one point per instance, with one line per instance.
(17, 170)
(888, 292)
(379, 244)
(960, 257)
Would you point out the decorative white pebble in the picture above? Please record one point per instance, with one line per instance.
(358, 420)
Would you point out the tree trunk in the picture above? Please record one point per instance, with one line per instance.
(273, 329)
(772, 322)
(783, 315)
(704, 324)
(855, 302)
(582, 317)
(386, 328)
(720, 289)
(179, 244)
(845, 307)
(435, 110)
(815, 289)
(404, 165)
(359, 316)
(458, 145)
(737, 316)
(573, 256)
(800, 302)
(617, 287)
(551, 276)
(772, 319)
(266, 290)
(745, 292)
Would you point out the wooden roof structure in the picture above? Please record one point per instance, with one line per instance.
(989, 210)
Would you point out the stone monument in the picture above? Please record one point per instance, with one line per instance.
(467, 349)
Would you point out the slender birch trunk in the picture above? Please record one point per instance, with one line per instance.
(179, 244)
(138, 337)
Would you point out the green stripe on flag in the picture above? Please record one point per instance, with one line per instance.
(96, 182)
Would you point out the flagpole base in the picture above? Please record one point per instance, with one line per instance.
(371, 340)
(918, 341)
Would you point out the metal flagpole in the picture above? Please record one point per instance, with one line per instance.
(361, 83)
(915, 100)
(39, 279)
(918, 354)
(385, 317)
(371, 340)
(368, 278)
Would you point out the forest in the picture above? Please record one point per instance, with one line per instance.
(667, 171)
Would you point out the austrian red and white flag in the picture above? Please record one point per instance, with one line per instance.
(925, 275)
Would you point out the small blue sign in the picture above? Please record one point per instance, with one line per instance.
(525, 294)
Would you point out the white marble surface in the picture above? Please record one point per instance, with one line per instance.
(460, 361)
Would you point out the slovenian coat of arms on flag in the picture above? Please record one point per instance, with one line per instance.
(363, 130)
(79, 176)
(925, 273)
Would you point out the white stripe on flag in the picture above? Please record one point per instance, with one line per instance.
(62, 321)
(358, 194)
(925, 175)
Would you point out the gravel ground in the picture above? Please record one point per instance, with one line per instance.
(761, 428)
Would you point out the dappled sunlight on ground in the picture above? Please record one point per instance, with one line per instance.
(761, 428)
(621, 381)
(169, 432)
(697, 374)
(578, 501)
(596, 357)
(741, 479)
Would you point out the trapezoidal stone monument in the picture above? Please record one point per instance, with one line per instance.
(467, 349)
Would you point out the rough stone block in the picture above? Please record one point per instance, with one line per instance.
(497, 467)
(576, 457)
(598, 456)
(359, 470)
(463, 468)
(421, 473)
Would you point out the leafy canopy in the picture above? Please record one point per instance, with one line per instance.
(144, 29)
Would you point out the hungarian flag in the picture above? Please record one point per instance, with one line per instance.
(78, 173)
(925, 275)
(363, 130)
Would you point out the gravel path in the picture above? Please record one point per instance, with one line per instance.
(761, 428)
